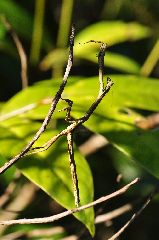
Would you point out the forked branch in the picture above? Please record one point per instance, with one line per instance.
(69, 212)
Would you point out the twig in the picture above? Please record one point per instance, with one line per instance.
(75, 123)
(151, 61)
(73, 168)
(24, 109)
(93, 144)
(102, 92)
(21, 200)
(69, 212)
(113, 214)
(21, 51)
(50, 112)
(101, 66)
(134, 216)
(150, 122)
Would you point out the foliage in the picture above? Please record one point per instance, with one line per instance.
(131, 98)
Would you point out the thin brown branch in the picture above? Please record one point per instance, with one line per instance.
(93, 144)
(51, 110)
(21, 52)
(69, 212)
(24, 109)
(101, 66)
(134, 216)
(23, 199)
(102, 92)
(150, 122)
(73, 168)
(113, 214)
(75, 123)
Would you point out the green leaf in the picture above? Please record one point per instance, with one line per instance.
(138, 145)
(115, 61)
(114, 120)
(34, 94)
(10, 143)
(50, 170)
(112, 32)
(115, 113)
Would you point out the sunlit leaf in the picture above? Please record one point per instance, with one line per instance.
(50, 170)
(116, 61)
(112, 32)
(115, 113)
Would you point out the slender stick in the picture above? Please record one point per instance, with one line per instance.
(101, 66)
(69, 212)
(21, 51)
(102, 92)
(64, 23)
(113, 214)
(134, 216)
(37, 31)
(51, 110)
(73, 168)
(151, 60)
(24, 109)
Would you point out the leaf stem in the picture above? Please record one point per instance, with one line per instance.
(65, 22)
(151, 60)
(37, 31)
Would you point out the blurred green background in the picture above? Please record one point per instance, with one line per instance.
(131, 30)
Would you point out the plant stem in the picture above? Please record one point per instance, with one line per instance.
(65, 22)
(151, 60)
(37, 31)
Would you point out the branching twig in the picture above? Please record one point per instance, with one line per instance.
(69, 212)
(134, 216)
(21, 51)
(51, 110)
(74, 123)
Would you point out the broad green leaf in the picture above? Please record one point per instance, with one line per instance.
(127, 91)
(83, 92)
(25, 98)
(10, 143)
(116, 61)
(137, 144)
(113, 60)
(112, 32)
(116, 122)
(115, 114)
(49, 170)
